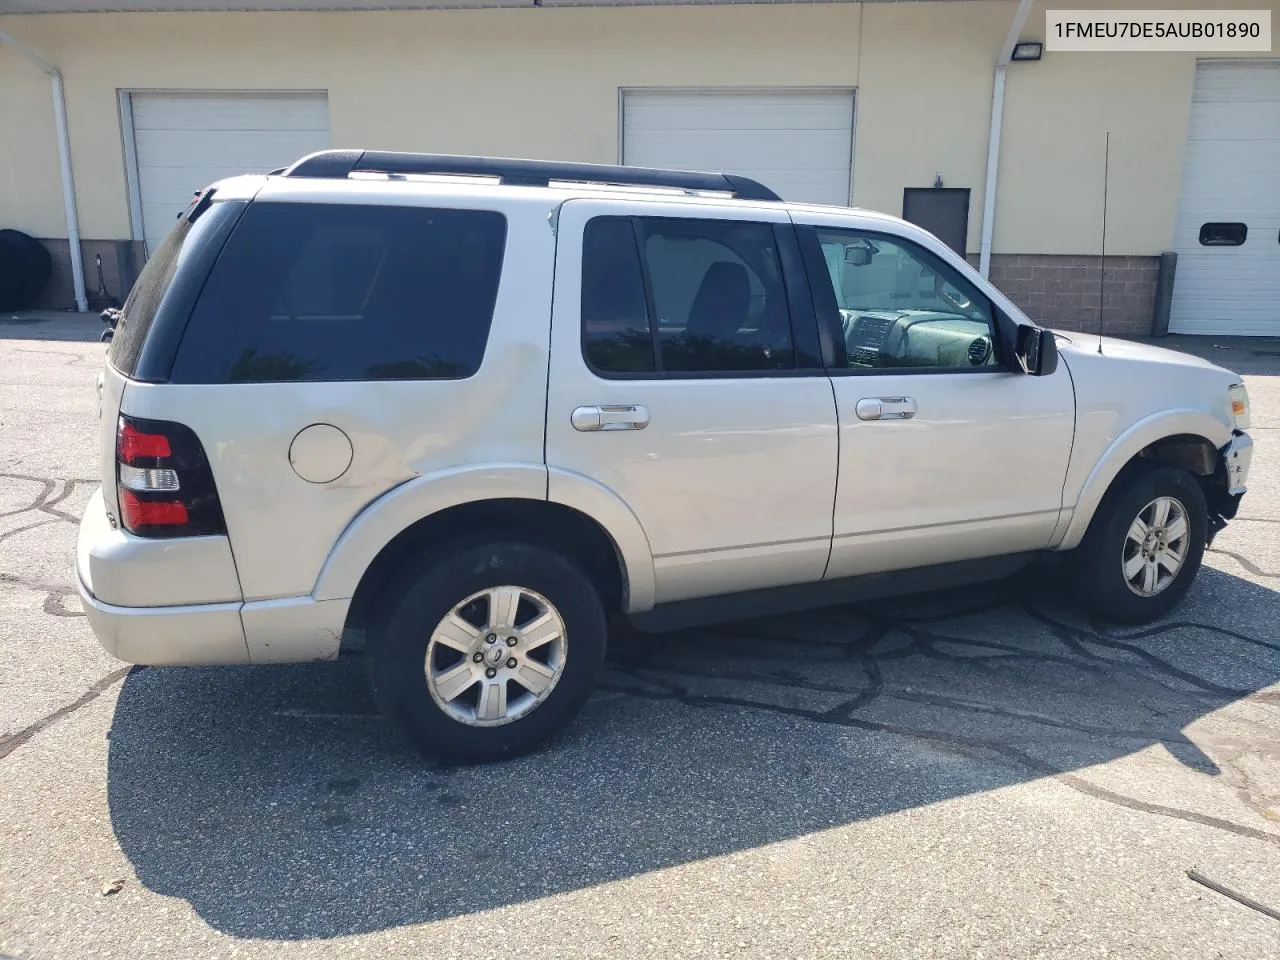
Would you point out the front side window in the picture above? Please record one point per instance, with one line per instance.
(669, 295)
(902, 307)
(322, 292)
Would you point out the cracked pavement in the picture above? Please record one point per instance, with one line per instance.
(981, 771)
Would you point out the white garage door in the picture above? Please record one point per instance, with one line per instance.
(1230, 192)
(183, 142)
(797, 143)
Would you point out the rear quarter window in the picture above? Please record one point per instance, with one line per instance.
(324, 292)
(156, 310)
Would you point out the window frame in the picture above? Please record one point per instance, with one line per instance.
(805, 338)
(827, 307)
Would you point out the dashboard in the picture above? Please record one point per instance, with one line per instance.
(915, 338)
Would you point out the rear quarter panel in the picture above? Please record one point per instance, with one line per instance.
(282, 527)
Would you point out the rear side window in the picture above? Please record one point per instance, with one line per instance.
(158, 305)
(615, 331)
(670, 296)
(315, 292)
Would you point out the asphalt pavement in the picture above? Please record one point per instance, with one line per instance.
(977, 773)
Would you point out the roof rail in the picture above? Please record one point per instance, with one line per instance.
(338, 164)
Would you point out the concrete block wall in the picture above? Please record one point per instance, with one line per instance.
(1063, 291)
(121, 262)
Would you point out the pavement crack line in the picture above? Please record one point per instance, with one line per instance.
(42, 503)
(17, 530)
(55, 596)
(667, 685)
(11, 742)
(1245, 562)
(970, 746)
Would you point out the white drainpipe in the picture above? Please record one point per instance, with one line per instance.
(64, 162)
(993, 144)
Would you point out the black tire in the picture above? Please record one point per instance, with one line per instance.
(1101, 584)
(398, 641)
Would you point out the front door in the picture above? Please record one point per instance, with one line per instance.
(946, 453)
(685, 381)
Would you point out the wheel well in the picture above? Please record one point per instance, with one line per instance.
(1189, 452)
(539, 521)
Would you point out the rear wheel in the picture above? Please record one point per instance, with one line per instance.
(488, 651)
(1144, 545)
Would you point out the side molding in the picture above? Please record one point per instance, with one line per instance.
(1167, 423)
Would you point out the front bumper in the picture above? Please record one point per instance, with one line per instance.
(1236, 459)
(1230, 482)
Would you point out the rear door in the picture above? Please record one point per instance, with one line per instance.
(685, 378)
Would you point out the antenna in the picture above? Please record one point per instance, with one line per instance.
(1102, 261)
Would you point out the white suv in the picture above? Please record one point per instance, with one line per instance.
(474, 410)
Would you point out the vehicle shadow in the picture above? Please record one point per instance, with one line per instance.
(279, 805)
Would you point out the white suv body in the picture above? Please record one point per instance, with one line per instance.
(784, 405)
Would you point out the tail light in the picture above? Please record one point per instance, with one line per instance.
(163, 481)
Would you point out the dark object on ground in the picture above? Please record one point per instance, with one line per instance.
(102, 298)
(1249, 902)
(25, 268)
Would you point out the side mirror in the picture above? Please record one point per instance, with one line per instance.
(858, 256)
(1035, 351)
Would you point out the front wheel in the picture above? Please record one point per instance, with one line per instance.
(489, 651)
(1144, 546)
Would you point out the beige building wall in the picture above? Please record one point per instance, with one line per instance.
(544, 83)
(1057, 113)
(532, 82)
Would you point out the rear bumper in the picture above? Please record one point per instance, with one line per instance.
(205, 634)
(146, 599)
(177, 602)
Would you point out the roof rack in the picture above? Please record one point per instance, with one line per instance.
(338, 164)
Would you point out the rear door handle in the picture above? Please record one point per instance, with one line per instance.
(610, 417)
(885, 408)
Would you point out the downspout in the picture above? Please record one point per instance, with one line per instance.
(64, 162)
(993, 144)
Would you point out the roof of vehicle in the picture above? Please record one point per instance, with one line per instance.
(375, 176)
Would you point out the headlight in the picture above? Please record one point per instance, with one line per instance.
(1239, 406)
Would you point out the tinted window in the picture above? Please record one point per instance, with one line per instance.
(345, 292)
(1223, 234)
(901, 306)
(716, 300)
(615, 318)
(167, 287)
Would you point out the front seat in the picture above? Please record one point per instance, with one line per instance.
(720, 306)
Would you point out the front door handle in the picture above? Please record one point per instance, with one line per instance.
(629, 416)
(885, 408)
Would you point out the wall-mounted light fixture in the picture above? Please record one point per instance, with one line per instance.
(1030, 50)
